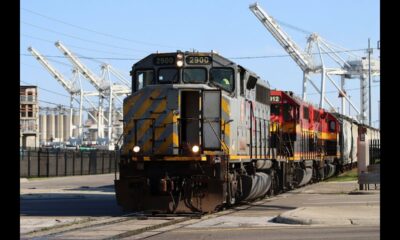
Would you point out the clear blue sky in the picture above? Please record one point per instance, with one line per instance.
(226, 26)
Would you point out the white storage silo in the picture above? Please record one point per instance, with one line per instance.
(75, 122)
(42, 128)
(50, 126)
(61, 127)
(67, 127)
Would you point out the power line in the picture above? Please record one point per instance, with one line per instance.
(287, 55)
(347, 90)
(44, 89)
(95, 58)
(97, 32)
(293, 27)
(74, 46)
(82, 39)
(63, 105)
(243, 57)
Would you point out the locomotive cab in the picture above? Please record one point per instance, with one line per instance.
(184, 68)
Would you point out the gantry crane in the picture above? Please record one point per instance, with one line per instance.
(305, 60)
(106, 89)
(76, 93)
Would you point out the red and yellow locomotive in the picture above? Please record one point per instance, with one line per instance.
(304, 135)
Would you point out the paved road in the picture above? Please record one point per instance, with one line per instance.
(100, 206)
(50, 202)
(56, 201)
(70, 196)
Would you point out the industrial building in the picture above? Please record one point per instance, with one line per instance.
(56, 126)
(29, 117)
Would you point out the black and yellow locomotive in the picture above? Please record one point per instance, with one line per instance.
(195, 127)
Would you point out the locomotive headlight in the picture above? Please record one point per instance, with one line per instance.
(195, 148)
(179, 56)
(179, 63)
(136, 149)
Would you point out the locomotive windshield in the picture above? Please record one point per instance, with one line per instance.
(288, 112)
(168, 75)
(194, 75)
(275, 109)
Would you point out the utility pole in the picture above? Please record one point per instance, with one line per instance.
(369, 80)
(379, 113)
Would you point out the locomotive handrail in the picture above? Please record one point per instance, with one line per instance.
(208, 120)
(216, 135)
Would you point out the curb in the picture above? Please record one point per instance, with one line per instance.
(309, 221)
(364, 192)
(295, 217)
(65, 195)
(48, 197)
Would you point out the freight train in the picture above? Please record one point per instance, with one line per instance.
(202, 132)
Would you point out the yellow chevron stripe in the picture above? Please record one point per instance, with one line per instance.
(131, 101)
(160, 130)
(147, 103)
(129, 126)
(141, 110)
(144, 108)
(143, 129)
(162, 149)
(227, 129)
(169, 140)
(175, 139)
(226, 107)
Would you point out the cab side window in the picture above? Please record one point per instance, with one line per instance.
(332, 126)
(223, 77)
(143, 78)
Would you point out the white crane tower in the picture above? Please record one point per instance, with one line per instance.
(356, 68)
(76, 93)
(107, 90)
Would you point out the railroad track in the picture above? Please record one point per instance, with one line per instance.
(135, 224)
(129, 223)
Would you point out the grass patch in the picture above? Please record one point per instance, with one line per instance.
(351, 175)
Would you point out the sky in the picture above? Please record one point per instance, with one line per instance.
(122, 32)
